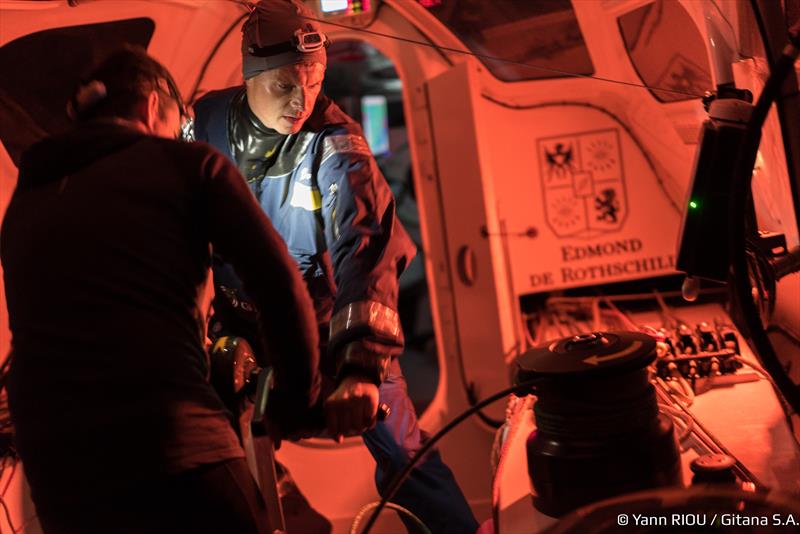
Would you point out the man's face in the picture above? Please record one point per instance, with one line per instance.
(283, 98)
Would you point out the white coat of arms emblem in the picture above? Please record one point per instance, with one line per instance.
(583, 183)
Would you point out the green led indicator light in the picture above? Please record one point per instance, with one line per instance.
(693, 204)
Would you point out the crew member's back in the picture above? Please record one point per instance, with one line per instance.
(104, 264)
(106, 247)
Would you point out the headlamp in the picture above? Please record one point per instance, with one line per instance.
(305, 41)
(309, 41)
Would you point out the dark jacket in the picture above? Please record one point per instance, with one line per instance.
(325, 195)
(106, 251)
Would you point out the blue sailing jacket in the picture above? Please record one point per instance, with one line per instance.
(336, 213)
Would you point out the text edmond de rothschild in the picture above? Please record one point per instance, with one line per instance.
(609, 262)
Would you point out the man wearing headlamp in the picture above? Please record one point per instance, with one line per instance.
(311, 169)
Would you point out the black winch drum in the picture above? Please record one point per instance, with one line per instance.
(599, 432)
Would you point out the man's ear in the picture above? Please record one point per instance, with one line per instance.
(152, 110)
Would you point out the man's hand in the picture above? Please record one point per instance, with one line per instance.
(352, 408)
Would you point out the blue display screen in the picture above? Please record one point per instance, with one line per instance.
(375, 121)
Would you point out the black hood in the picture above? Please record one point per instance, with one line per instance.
(34, 88)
